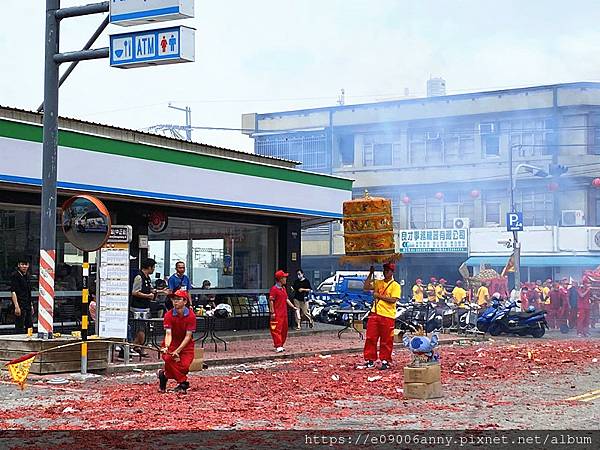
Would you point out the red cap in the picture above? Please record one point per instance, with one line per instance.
(419, 281)
(389, 266)
(442, 280)
(280, 274)
(433, 279)
(181, 293)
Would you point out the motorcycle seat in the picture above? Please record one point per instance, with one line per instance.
(525, 314)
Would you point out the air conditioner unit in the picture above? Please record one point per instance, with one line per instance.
(572, 218)
(461, 222)
(487, 128)
(594, 239)
(432, 135)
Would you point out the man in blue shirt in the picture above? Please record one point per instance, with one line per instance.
(178, 281)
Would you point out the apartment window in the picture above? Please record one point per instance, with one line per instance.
(491, 145)
(466, 145)
(492, 212)
(382, 154)
(426, 213)
(434, 150)
(416, 148)
(537, 207)
(368, 155)
(455, 205)
(346, 151)
(530, 135)
(378, 149)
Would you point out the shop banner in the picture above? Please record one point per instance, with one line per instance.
(434, 241)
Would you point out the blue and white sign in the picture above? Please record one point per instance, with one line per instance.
(136, 12)
(434, 241)
(514, 221)
(152, 47)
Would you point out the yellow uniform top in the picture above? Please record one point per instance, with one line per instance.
(546, 294)
(459, 295)
(431, 292)
(387, 289)
(417, 293)
(482, 295)
(440, 292)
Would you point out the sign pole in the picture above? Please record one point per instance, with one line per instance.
(49, 159)
(84, 312)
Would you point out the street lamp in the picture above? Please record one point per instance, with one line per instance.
(535, 171)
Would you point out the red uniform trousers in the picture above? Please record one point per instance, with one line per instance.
(178, 370)
(279, 329)
(572, 317)
(583, 320)
(380, 329)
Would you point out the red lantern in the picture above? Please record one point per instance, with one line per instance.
(553, 186)
(596, 182)
(475, 193)
(439, 195)
(406, 199)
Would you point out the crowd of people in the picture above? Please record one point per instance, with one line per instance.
(568, 303)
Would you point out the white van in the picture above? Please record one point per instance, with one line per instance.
(328, 285)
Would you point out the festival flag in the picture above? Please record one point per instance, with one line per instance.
(19, 368)
(510, 266)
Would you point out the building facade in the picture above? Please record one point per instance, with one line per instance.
(444, 162)
(233, 217)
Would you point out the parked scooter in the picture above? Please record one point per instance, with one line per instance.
(498, 319)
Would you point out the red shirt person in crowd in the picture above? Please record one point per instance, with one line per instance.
(278, 306)
(555, 305)
(178, 346)
(583, 309)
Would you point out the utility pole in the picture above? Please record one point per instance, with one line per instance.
(516, 243)
(188, 120)
(53, 59)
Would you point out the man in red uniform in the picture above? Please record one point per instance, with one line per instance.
(278, 305)
(382, 317)
(583, 309)
(178, 346)
(555, 305)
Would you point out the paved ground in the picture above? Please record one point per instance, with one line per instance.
(501, 384)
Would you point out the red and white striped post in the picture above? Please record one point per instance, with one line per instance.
(46, 296)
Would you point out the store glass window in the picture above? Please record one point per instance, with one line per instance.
(20, 236)
(229, 255)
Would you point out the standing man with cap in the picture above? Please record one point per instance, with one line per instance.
(417, 291)
(178, 347)
(278, 305)
(440, 291)
(382, 317)
(431, 289)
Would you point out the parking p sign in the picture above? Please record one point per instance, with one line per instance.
(514, 221)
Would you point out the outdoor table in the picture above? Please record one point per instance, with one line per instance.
(150, 327)
(209, 332)
(353, 314)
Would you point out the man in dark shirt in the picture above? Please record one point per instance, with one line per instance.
(301, 288)
(573, 297)
(20, 289)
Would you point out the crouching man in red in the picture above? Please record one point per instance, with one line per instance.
(382, 317)
(178, 346)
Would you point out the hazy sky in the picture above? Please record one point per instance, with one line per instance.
(273, 55)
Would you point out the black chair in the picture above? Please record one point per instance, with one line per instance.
(66, 311)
